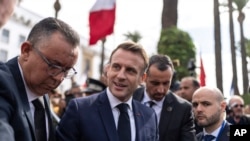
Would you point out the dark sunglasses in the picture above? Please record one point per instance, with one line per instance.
(238, 105)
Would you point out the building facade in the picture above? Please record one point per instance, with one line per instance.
(16, 30)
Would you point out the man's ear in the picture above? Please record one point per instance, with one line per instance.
(143, 78)
(26, 48)
(224, 105)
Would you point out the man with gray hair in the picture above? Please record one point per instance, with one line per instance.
(47, 58)
(236, 106)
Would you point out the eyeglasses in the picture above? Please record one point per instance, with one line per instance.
(238, 105)
(54, 70)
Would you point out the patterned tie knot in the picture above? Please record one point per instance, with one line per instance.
(209, 137)
(123, 107)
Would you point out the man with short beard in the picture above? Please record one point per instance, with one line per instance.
(209, 108)
(236, 105)
(174, 114)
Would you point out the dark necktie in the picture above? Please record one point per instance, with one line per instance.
(40, 121)
(151, 103)
(124, 130)
(208, 137)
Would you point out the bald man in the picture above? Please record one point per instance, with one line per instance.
(209, 110)
(6, 10)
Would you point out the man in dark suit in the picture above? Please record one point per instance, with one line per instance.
(188, 85)
(175, 118)
(209, 108)
(97, 117)
(46, 58)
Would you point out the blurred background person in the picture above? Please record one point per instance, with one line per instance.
(93, 86)
(188, 85)
(6, 10)
(75, 91)
(58, 103)
(238, 117)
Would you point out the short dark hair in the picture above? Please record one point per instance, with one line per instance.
(195, 82)
(162, 62)
(134, 48)
(46, 27)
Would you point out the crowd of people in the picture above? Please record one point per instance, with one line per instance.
(132, 102)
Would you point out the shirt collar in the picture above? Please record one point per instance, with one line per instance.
(214, 133)
(115, 101)
(31, 96)
(146, 99)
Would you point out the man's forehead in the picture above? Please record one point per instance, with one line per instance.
(235, 101)
(204, 95)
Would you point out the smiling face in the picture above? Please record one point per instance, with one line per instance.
(35, 69)
(124, 73)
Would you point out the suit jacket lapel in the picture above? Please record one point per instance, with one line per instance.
(166, 114)
(225, 134)
(139, 121)
(107, 116)
(199, 136)
(13, 65)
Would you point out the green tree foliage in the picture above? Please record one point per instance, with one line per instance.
(135, 36)
(179, 46)
(247, 44)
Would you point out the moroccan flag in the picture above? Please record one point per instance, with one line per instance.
(101, 20)
(202, 74)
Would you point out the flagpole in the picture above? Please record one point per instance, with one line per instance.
(102, 56)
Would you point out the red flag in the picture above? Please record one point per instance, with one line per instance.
(101, 20)
(202, 74)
